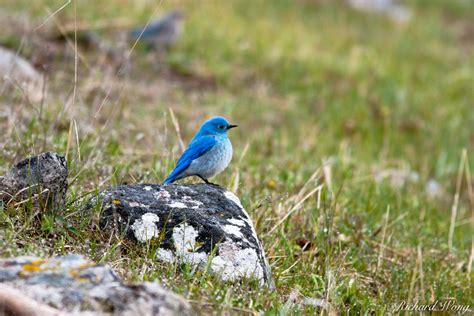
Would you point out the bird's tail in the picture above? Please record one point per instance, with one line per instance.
(170, 179)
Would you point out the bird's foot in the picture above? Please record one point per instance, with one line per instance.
(213, 184)
(207, 182)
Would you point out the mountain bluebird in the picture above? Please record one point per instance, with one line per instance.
(162, 32)
(208, 153)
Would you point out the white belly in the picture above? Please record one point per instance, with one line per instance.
(213, 162)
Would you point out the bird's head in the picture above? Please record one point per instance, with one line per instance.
(176, 15)
(216, 126)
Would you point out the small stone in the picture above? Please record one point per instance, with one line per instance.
(42, 179)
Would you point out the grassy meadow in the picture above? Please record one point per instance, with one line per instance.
(354, 154)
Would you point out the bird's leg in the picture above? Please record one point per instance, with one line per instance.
(203, 179)
(207, 182)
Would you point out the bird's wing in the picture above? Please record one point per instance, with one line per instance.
(196, 149)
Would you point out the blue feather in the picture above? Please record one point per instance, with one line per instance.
(196, 149)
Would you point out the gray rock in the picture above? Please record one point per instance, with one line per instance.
(201, 225)
(16, 71)
(42, 178)
(73, 284)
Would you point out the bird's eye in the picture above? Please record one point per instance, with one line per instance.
(220, 126)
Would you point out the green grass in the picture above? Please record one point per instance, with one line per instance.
(316, 88)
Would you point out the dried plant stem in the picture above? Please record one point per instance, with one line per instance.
(454, 208)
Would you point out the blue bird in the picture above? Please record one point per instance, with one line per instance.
(208, 153)
(162, 32)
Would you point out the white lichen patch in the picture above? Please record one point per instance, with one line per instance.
(161, 195)
(186, 202)
(236, 221)
(231, 196)
(165, 255)
(147, 188)
(71, 261)
(233, 230)
(136, 204)
(195, 259)
(193, 203)
(177, 204)
(145, 228)
(184, 238)
(233, 263)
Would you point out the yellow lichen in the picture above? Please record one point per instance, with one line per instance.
(33, 266)
(86, 265)
(74, 273)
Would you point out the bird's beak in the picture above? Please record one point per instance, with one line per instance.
(231, 126)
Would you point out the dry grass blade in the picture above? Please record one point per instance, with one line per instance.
(420, 267)
(77, 142)
(454, 208)
(69, 138)
(471, 259)
(327, 174)
(76, 59)
(32, 198)
(384, 231)
(177, 129)
(471, 201)
(21, 191)
(236, 173)
(296, 207)
(235, 183)
(144, 29)
(52, 15)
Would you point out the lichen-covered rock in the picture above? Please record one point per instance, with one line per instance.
(73, 284)
(202, 225)
(42, 178)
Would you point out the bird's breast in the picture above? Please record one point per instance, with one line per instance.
(214, 161)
